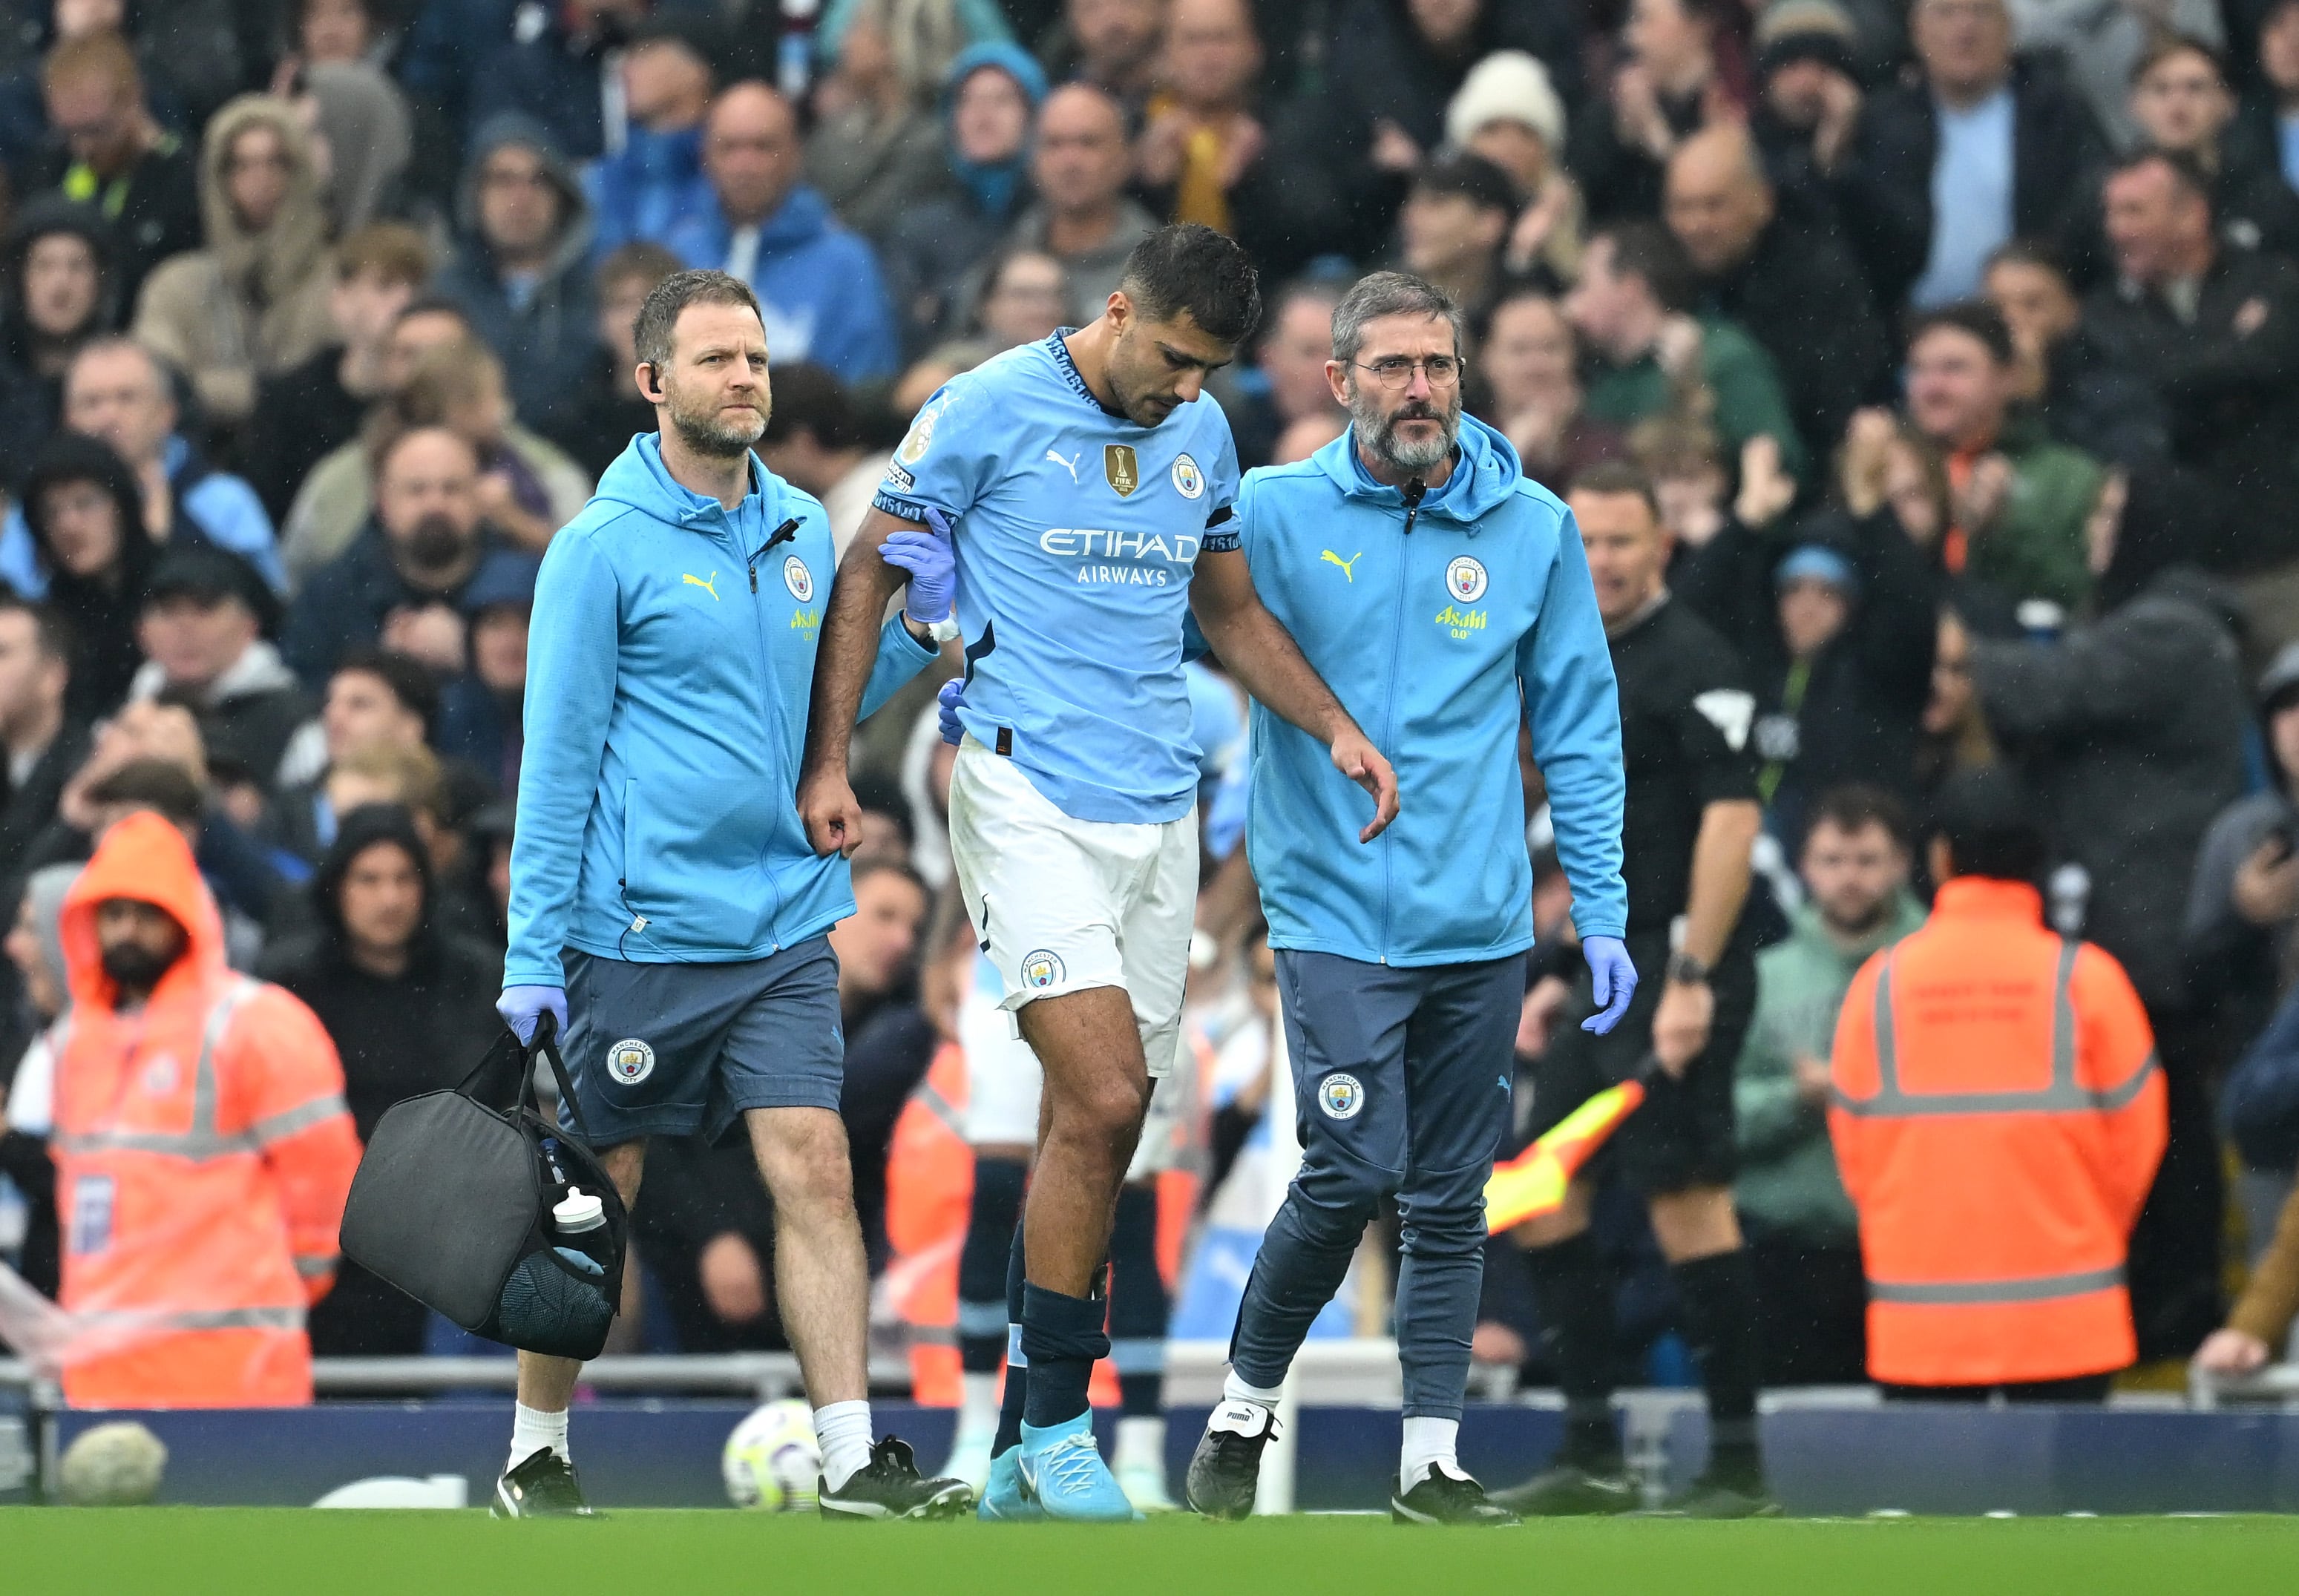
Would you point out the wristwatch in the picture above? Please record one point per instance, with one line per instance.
(1687, 971)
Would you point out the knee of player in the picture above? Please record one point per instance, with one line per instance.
(1348, 1187)
(1108, 1111)
(807, 1170)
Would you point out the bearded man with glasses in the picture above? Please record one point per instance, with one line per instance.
(1446, 600)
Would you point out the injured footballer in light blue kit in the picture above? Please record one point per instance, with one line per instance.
(1087, 484)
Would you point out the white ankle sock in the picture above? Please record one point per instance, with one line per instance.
(1141, 1439)
(1235, 1390)
(532, 1429)
(977, 1407)
(842, 1429)
(1428, 1444)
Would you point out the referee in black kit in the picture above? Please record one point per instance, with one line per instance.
(1692, 814)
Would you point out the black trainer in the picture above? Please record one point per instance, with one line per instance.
(1569, 1491)
(544, 1486)
(890, 1486)
(1711, 1497)
(1227, 1467)
(1442, 1498)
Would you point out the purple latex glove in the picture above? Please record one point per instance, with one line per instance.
(952, 698)
(522, 1006)
(1613, 976)
(933, 567)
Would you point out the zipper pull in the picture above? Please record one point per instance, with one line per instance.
(1413, 492)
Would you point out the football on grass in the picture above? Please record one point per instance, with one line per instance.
(772, 1462)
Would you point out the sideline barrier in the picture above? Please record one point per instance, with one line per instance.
(1834, 1452)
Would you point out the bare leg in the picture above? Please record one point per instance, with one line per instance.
(821, 1276)
(547, 1383)
(1097, 1090)
(1697, 1223)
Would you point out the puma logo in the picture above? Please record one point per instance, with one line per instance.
(1349, 566)
(1069, 465)
(710, 587)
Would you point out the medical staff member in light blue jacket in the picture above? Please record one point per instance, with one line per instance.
(1445, 598)
(666, 910)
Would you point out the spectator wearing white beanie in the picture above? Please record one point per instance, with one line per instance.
(1508, 112)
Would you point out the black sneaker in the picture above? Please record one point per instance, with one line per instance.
(1711, 1498)
(1442, 1498)
(544, 1486)
(1569, 1491)
(890, 1486)
(1227, 1467)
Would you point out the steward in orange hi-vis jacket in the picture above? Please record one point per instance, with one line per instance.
(202, 1148)
(1997, 1116)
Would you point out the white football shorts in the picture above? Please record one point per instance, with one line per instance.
(1065, 905)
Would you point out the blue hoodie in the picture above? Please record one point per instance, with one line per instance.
(1429, 638)
(817, 284)
(666, 706)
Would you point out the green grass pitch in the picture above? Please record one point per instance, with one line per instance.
(245, 1551)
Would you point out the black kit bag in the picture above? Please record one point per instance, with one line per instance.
(453, 1203)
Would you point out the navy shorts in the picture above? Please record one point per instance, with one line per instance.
(672, 1049)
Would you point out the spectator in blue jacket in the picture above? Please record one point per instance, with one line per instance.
(522, 266)
(817, 284)
(644, 190)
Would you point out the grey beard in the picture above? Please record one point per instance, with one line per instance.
(1414, 457)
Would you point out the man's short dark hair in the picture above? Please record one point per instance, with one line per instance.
(1186, 268)
(51, 635)
(1617, 476)
(1973, 318)
(2186, 172)
(407, 678)
(161, 785)
(808, 399)
(668, 299)
(1388, 293)
(1649, 250)
(648, 262)
(1988, 818)
(2030, 252)
(1854, 808)
(432, 304)
(1473, 178)
(2163, 47)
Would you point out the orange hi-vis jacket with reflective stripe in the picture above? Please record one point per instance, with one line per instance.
(203, 1155)
(929, 1197)
(1997, 1115)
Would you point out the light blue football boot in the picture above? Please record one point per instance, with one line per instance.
(1062, 1467)
(1006, 1499)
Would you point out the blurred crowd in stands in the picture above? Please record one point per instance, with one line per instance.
(1961, 338)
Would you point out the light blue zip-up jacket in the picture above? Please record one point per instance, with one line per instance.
(1439, 641)
(668, 676)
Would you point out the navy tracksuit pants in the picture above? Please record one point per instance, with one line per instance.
(1401, 1085)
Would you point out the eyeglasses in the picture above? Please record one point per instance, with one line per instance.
(1396, 372)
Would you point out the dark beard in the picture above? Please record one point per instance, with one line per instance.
(136, 967)
(709, 438)
(436, 545)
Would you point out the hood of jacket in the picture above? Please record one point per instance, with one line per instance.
(74, 457)
(46, 214)
(258, 669)
(802, 217)
(370, 138)
(355, 832)
(270, 265)
(1485, 473)
(146, 858)
(573, 245)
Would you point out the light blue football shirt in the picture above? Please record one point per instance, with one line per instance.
(1076, 533)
